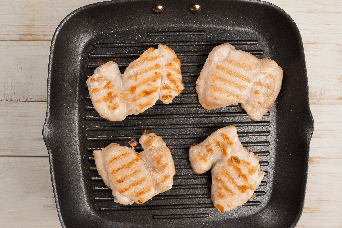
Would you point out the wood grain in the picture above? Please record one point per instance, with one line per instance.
(323, 201)
(37, 19)
(21, 128)
(26, 30)
(315, 19)
(34, 19)
(24, 70)
(26, 193)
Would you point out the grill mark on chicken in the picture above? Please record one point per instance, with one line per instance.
(220, 90)
(271, 76)
(93, 79)
(222, 147)
(113, 106)
(219, 194)
(252, 170)
(226, 139)
(118, 157)
(95, 90)
(108, 98)
(142, 192)
(161, 168)
(149, 58)
(231, 180)
(167, 97)
(165, 178)
(234, 162)
(265, 85)
(201, 157)
(107, 86)
(153, 78)
(224, 187)
(157, 157)
(138, 182)
(220, 208)
(228, 82)
(149, 142)
(209, 149)
(175, 69)
(246, 164)
(145, 58)
(122, 179)
(150, 102)
(145, 93)
(175, 59)
(129, 164)
(174, 81)
(136, 75)
(170, 64)
(242, 64)
(166, 87)
(233, 73)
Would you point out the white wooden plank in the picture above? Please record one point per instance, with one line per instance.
(23, 122)
(324, 70)
(323, 201)
(318, 21)
(26, 195)
(34, 19)
(25, 68)
(27, 200)
(327, 136)
(322, 204)
(21, 125)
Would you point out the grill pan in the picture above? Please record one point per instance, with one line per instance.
(120, 31)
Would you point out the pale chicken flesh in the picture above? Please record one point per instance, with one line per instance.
(235, 171)
(107, 93)
(231, 76)
(136, 177)
(154, 75)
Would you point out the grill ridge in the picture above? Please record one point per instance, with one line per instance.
(190, 123)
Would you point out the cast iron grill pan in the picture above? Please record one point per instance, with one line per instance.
(109, 32)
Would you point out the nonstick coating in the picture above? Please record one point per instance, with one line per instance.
(122, 30)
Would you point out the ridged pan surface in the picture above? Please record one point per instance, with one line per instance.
(121, 31)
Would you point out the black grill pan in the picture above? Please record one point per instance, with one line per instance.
(122, 30)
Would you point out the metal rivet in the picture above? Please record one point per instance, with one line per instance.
(158, 9)
(195, 8)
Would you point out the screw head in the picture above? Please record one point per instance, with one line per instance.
(195, 8)
(158, 9)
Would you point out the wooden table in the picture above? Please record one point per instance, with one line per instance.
(26, 30)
